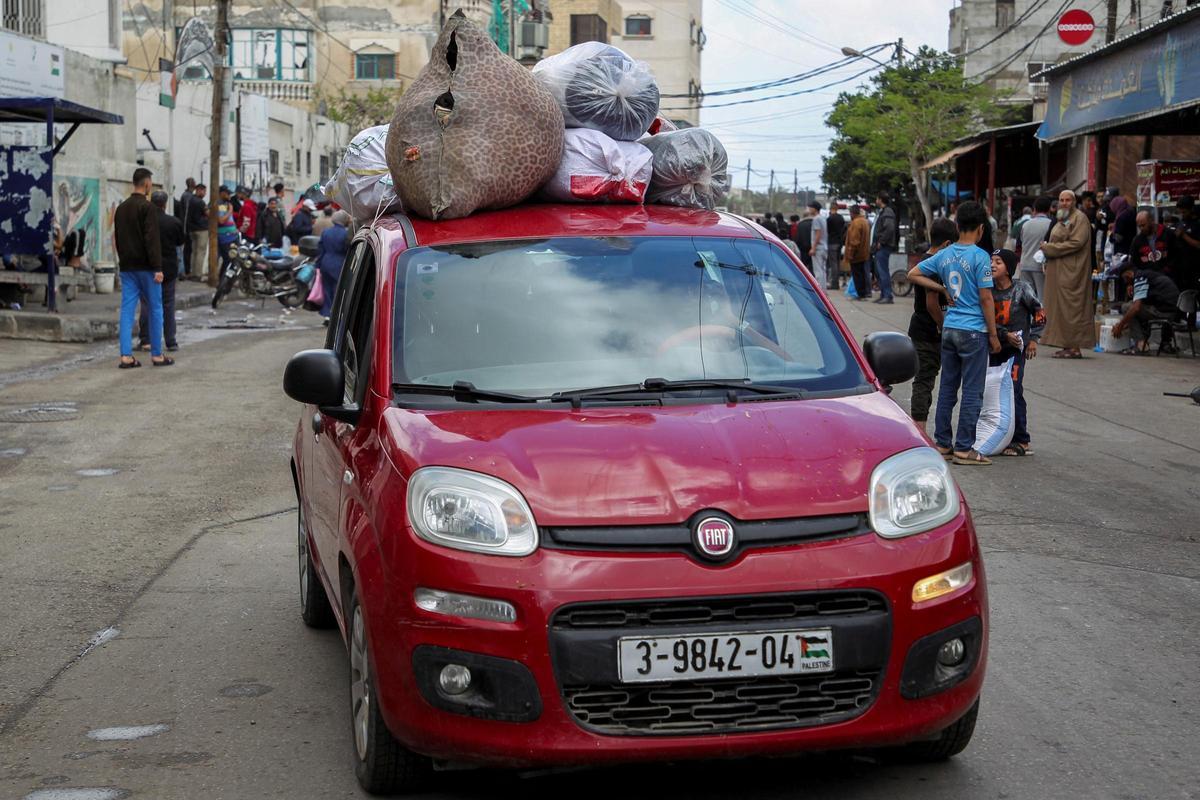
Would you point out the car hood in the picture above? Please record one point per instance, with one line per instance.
(758, 460)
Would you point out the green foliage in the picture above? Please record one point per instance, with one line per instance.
(374, 107)
(911, 113)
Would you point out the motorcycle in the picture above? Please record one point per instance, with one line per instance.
(257, 272)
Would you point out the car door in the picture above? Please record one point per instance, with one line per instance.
(328, 469)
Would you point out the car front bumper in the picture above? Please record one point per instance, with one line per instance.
(544, 665)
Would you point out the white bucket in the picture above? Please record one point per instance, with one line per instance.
(105, 278)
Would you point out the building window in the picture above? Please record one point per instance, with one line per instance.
(637, 25)
(324, 176)
(269, 54)
(588, 28)
(297, 162)
(24, 16)
(1006, 13)
(308, 163)
(374, 67)
(273, 162)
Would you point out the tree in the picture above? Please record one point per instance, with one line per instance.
(359, 111)
(912, 112)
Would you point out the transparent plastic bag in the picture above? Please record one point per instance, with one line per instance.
(362, 184)
(596, 168)
(600, 87)
(691, 169)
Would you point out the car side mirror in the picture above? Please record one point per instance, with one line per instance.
(315, 377)
(892, 357)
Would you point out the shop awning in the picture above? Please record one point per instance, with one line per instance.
(49, 110)
(1152, 72)
(951, 154)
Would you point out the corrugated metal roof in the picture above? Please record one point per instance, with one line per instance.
(1145, 33)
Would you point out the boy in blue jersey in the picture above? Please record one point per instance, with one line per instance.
(968, 332)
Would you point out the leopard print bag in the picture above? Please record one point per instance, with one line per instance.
(474, 131)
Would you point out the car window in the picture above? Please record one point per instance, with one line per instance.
(341, 298)
(355, 347)
(568, 313)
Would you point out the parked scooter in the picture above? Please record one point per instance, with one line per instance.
(257, 271)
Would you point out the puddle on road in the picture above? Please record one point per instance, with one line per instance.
(127, 733)
(99, 793)
(96, 472)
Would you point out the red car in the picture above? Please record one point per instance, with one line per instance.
(604, 484)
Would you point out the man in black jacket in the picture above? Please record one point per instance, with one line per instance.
(270, 224)
(171, 238)
(835, 228)
(139, 256)
(195, 225)
(883, 244)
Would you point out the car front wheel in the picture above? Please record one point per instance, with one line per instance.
(949, 743)
(383, 765)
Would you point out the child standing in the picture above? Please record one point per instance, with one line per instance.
(968, 332)
(1020, 321)
(924, 328)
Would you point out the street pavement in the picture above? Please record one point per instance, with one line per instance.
(147, 569)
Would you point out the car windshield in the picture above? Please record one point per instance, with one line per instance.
(538, 317)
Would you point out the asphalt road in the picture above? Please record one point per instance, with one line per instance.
(148, 576)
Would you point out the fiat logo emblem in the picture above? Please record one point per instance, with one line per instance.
(714, 537)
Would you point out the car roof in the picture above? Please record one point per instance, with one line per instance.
(537, 221)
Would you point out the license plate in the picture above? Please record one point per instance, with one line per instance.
(725, 655)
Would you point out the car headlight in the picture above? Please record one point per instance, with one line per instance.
(469, 511)
(912, 492)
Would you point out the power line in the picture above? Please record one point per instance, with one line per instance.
(778, 24)
(855, 76)
(325, 29)
(722, 34)
(790, 79)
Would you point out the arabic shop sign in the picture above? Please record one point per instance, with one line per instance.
(1148, 77)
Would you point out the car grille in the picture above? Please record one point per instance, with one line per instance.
(722, 706)
(697, 611)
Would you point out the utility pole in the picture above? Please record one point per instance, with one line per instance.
(237, 147)
(900, 52)
(796, 187)
(512, 28)
(771, 194)
(214, 144)
(747, 180)
(1110, 24)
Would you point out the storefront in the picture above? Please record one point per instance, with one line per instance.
(1136, 100)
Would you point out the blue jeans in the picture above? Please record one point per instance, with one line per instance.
(965, 361)
(139, 285)
(883, 271)
(328, 288)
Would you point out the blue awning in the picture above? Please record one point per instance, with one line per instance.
(1154, 73)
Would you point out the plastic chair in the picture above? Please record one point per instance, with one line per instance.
(1187, 305)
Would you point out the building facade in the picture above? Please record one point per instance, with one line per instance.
(1007, 43)
(298, 51)
(669, 36)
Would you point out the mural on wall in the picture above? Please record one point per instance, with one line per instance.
(77, 208)
(115, 193)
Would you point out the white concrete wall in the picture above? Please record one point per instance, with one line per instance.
(92, 27)
(669, 50)
(290, 128)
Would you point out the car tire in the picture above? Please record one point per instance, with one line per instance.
(314, 602)
(383, 765)
(949, 743)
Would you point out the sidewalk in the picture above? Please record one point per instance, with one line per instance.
(88, 317)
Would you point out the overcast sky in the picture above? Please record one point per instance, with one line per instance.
(789, 134)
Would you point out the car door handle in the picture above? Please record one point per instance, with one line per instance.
(347, 477)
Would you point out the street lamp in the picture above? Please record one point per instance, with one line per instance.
(850, 52)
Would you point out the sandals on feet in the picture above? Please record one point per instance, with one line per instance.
(972, 458)
(1072, 354)
(1017, 449)
(947, 452)
(1134, 350)
(129, 364)
(165, 361)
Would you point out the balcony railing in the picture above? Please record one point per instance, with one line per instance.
(294, 91)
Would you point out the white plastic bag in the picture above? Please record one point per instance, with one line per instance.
(600, 87)
(362, 184)
(596, 169)
(997, 417)
(691, 169)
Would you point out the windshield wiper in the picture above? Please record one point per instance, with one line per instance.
(658, 385)
(464, 391)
